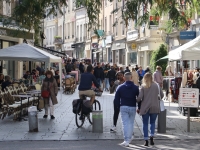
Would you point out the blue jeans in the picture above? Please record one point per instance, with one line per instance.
(145, 119)
(128, 117)
(99, 81)
(106, 83)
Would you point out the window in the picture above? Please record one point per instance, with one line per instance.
(101, 24)
(122, 27)
(116, 4)
(111, 23)
(69, 30)
(77, 31)
(50, 37)
(105, 3)
(47, 36)
(81, 32)
(105, 24)
(69, 7)
(116, 27)
(66, 31)
(73, 30)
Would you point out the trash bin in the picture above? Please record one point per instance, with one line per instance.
(33, 119)
(97, 121)
(162, 121)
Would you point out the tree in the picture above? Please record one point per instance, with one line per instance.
(29, 14)
(156, 55)
(179, 11)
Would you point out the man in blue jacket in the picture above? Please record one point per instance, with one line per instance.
(125, 99)
(85, 85)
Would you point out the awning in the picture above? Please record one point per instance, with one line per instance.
(188, 51)
(97, 51)
(163, 58)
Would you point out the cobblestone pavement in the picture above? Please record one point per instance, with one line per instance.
(64, 127)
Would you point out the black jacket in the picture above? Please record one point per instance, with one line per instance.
(81, 68)
(106, 72)
(111, 74)
(98, 73)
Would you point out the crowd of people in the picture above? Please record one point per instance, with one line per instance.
(136, 90)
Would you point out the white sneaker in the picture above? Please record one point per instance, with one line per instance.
(131, 138)
(126, 144)
(113, 129)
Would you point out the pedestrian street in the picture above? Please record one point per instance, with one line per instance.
(63, 127)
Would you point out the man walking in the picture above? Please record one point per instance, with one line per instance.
(125, 99)
(99, 74)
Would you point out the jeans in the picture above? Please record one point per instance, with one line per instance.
(145, 119)
(128, 117)
(116, 115)
(99, 81)
(106, 83)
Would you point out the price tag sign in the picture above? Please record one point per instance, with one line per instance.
(189, 97)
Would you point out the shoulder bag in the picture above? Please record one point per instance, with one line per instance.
(162, 106)
(45, 93)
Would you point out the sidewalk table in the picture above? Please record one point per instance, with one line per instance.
(34, 92)
(22, 96)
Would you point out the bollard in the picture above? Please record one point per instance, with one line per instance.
(162, 121)
(33, 119)
(97, 121)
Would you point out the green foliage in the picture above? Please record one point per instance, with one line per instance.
(156, 55)
(29, 14)
(93, 10)
(178, 12)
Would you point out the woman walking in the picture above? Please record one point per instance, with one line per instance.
(50, 85)
(149, 105)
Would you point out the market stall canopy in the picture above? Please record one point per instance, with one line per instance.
(188, 51)
(163, 58)
(27, 52)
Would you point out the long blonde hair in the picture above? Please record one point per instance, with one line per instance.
(147, 80)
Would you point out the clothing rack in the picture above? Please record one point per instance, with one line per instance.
(167, 91)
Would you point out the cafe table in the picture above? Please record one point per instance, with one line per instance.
(21, 97)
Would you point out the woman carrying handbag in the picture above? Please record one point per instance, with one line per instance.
(149, 105)
(49, 92)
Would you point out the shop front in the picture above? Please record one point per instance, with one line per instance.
(95, 52)
(10, 38)
(87, 50)
(108, 52)
(132, 47)
(68, 49)
(145, 49)
(79, 50)
(118, 52)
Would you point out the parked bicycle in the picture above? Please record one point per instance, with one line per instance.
(82, 112)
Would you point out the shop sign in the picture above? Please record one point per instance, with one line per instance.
(132, 35)
(189, 97)
(95, 45)
(108, 39)
(186, 35)
(69, 46)
(133, 46)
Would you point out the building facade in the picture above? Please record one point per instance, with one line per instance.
(10, 37)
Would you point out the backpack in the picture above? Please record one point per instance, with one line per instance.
(76, 106)
(86, 107)
(68, 68)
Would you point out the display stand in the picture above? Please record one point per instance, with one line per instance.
(189, 97)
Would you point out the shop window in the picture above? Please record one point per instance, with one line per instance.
(133, 58)
(122, 56)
